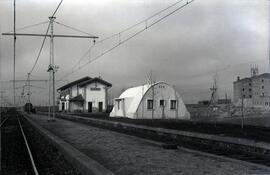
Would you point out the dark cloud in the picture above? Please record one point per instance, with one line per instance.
(185, 49)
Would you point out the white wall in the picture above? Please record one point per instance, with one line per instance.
(118, 111)
(96, 96)
(90, 95)
(162, 91)
(124, 105)
(64, 99)
(74, 91)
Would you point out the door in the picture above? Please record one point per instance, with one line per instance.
(162, 105)
(89, 106)
(63, 106)
(100, 105)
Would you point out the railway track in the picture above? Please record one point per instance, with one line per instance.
(26, 152)
(16, 153)
(28, 148)
(3, 121)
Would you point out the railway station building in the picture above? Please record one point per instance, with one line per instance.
(252, 91)
(150, 101)
(84, 95)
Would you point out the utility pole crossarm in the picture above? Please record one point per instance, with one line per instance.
(17, 81)
(27, 80)
(43, 35)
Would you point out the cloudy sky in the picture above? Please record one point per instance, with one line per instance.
(186, 49)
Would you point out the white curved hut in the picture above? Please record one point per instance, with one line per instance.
(156, 101)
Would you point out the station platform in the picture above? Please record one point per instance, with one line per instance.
(123, 154)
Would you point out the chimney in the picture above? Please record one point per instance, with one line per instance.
(238, 78)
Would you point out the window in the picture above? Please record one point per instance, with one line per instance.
(263, 94)
(262, 80)
(249, 90)
(244, 96)
(173, 104)
(266, 103)
(118, 104)
(262, 87)
(249, 84)
(243, 89)
(250, 96)
(150, 104)
(161, 103)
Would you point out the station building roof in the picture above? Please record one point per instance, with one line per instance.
(74, 83)
(85, 81)
(78, 98)
(92, 80)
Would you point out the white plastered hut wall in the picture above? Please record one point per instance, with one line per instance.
(133, 103)
(157, 92)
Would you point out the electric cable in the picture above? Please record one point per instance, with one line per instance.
(128, 38)
(57, 8)
(72, 28)
(40, 50)
(29, 26)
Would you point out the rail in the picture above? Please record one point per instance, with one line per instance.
(3, 122)
(28, 148)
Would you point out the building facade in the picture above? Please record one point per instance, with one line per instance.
(252, 91)
(85, 95)
(156, 101)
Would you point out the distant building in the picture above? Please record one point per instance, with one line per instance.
(254, 91)
(86, 95)
(156, 101)
(204, 102)
(219, 102)
(224, 101)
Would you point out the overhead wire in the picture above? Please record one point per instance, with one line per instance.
(29, 26)
(43, 42)
(152, 16)
(141, 22)
(83, 56)
(130, 37)
(44, 39)
(40, 50)
(57, 8)
(81, 31)
(73, 28)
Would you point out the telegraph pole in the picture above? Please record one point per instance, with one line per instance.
(52, 68)
(242, 111)
(28, 93)
(2, 92)
(49, 103)
(14, 52)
